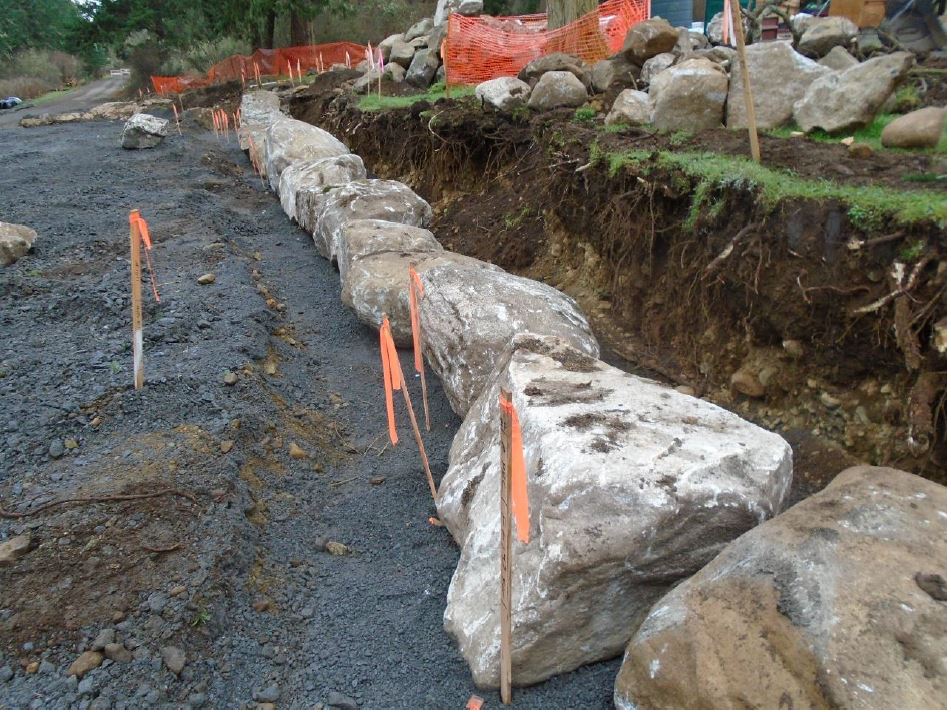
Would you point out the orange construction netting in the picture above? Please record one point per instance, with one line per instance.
(485, 47)
(267, 62)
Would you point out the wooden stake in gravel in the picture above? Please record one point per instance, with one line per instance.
(138, 366)
(505, 551)
(744, 70)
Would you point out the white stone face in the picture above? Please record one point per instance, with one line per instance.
(631, 107)
(317, 173)
(258, 110)
(632, 486)
(288, 140)
(503, 93)
(557, 89)
(360, 238)
(144, 131)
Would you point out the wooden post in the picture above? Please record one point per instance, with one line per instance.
(419, 438)
(744, 70)
(138, 366)
(505, 551)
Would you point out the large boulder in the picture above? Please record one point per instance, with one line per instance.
(402, 53)
(850, 99)
(378, 284)
(418, 29)
(631, 107)
(919, 129)
(423, 68)
(838, 59)
(258, 110)
(323, 212)
(288, 140)
(824, 33)
(632, 487)
(655, 65)
(471, 316)
(554, 62)
(616, 71)
(15, 241)
(114, 110)
(503, 93)
(360, 238)
(464, 7)
(317, 173)
(386, 45)
(773, 100)
(144, 131)
(557, 89)
(649, 38)
(838, 603)
(689, 96)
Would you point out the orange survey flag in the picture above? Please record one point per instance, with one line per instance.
(392, 375)
(519, 479)
(143, 229)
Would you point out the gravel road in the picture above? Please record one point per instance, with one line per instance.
(240, 580)
(79, 99)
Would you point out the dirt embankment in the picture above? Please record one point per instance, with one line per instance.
(772, 294)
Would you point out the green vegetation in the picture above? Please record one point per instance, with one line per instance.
(868, 205)
(871, 134)
(513, 220)
(373, 102)
(585, 114)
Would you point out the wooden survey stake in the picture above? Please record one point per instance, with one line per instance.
(505, 551)
(138, 365)
(744, 71)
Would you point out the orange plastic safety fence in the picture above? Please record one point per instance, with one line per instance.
(267, 62)
(484, 47)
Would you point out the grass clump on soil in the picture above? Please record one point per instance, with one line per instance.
(374, 102)
(868, 206)
(871, 135)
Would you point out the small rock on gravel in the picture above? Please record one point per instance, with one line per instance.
(226, 446)
(335, 548)
(106, 636)
(230, 378)
(208, 278)
(13, 548)
(174, 658)
(84, 663)
(117, 653)
(339, 701)
(157, 601)
(6, 673)
(197, 699)
(56, 449)
(297, 452)
(268, 694)
(46, 667)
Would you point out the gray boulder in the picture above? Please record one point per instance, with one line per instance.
(470, 317)
(258, 110)
(402, 53)
(113, 110)
(386, 46)
(15, 241)
(824, 33)
(689, 96)
(655, 65)
(632, 486)
(504, 93)
(464, 7)
(317, 173)
(360, 238)
(919, 129)
(419, 29)
(288, 140)
(423, 68)
(773, 100)
(837, 603)
(394, 72)
(144, 131)
(616, 71)
(838, 59)
(631, 107)
(850, 99)
(649, 38)
(554, 62)
(722, 56)
(557, 89)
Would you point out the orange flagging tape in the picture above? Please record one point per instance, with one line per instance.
(391, 375)
(143, 231)
(519, 480)
(475, 703)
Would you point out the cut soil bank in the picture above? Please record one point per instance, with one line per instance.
(232, 568)
(767, 289)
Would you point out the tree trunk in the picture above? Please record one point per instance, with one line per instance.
(562, 12)
(299, 30)
(269, 23)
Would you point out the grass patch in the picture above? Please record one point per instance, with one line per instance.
(373, 102)
(871, 134)
(868, 206)
(50, 96)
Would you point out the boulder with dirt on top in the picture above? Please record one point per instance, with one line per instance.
(838, 59)
(616, 71)
(631, 107)
(773, 100)
(689, 96)
(288, 140)
(824, 33)
(378, 284)
(844, 101)
(649, 38)
(324, 212)
(469, 317)
(144, 131)
(360, 238)
(503, 93)
(919, 129)
(317, 173)
(386, 45)
(631, 487)
(15, 241)
(554, 62)
(837, 603)
(557, 89)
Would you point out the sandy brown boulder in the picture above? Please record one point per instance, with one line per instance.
(919, 129)
(15, 241)
(649, 38)
(689, 96)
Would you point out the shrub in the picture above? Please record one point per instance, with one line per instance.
(25, 87)
(203, 55)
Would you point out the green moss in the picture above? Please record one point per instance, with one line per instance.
(374, 102)
(585, 114)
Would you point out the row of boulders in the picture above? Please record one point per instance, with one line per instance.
(109, 111)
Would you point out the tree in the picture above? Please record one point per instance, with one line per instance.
(38, 24)
(563, 12)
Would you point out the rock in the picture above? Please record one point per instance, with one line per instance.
(464, 7)
(271, 693)
(117, 653)
(57, 449)
(32, 667)
(335, 548)
(714, 31)
(616, 71)
(722, 56)
(402, 54)
(419, 29)
(114, 110)
(504, 93)
(689, 96)
(838, 59)
(324, 213)
(89, 660)
(289, 140)
(819, 606)
(173, 658)
(824, 33)
(207, 278)
(359, 238)
(386, 46)
(554, 62)
(469, 316)
(850, 99)
(339, 701)
(632, 486)
(773, 100)
(46, 668)
(394, 72)
(106, 636)
(144, 131)
(71, 443)
(197, 699)
(87, 686)
(861, 150)
(14, 548)
(6, 674)
(919, 129)
(15, 241)
(31, 122)
(556, 89)
(655, 65)
(648, 39)
(748, 384)
(230, 378)
(225, 446)
(258, 110)
(296, 451)
(317, 173)
(368, 80)
(423, 68)
(156, 602)
(378, 284)
(630, 107)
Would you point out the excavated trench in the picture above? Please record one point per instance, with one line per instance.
(785, 310)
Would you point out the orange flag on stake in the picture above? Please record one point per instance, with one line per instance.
(391, 375)
(519, 479)
(147, 244)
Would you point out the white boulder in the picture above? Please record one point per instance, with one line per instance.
(144, 131)
(288, 140)
(557, 89)
(317, 173)
(258, 110)
(503, 93)
(359, 238)
(631, 107)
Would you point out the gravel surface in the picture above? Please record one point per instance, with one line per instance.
(230, 579)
